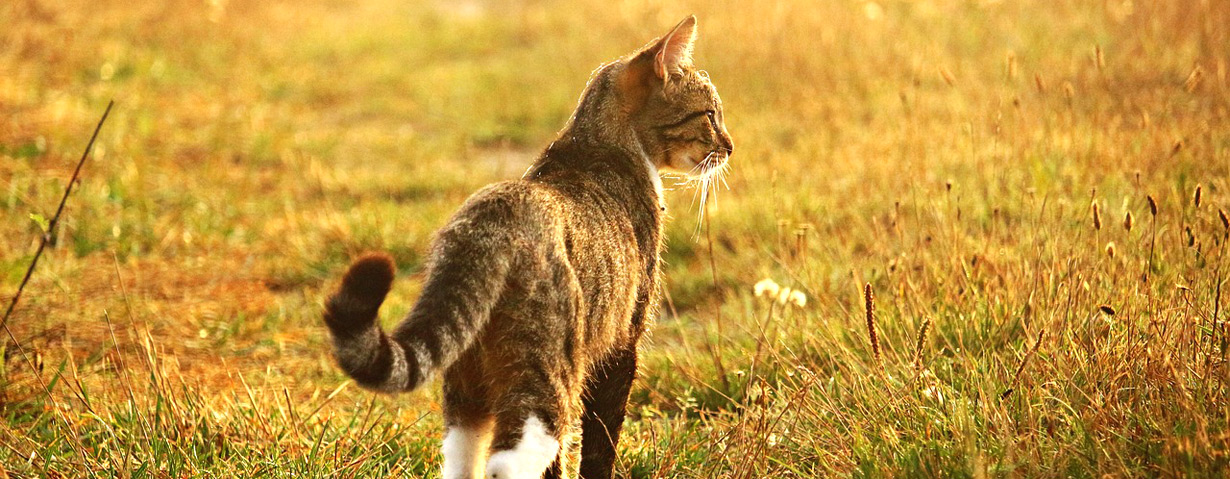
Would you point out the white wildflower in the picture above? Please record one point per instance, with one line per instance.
(798, 298)
(766, 286)
(784, 295)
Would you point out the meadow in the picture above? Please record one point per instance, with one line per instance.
(1029, 196)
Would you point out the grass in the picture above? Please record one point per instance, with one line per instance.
(945, 154)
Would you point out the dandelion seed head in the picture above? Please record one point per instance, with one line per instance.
(766, 287)
(799, 298)
(784, 295)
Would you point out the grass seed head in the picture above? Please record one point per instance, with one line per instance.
(871, 321)
(1110, 249)
(922, 340)
(1225, 221)
(1152, 205)
(1097, 217)
(1127, 221)
(1196, 197)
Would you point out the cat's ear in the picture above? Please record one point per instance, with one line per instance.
(674, 51)
(655, 63)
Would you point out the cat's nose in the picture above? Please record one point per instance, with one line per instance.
(728, 144)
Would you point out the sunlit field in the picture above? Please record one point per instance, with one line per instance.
(1033, 193)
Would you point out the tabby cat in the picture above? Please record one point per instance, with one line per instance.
(539, 289)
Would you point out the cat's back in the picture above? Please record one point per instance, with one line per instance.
(530, 216)
(515, 211)
(530, 209)
(569, 221)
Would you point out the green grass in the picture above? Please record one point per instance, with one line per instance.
(945, 152)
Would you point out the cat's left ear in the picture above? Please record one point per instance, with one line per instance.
(674, 52)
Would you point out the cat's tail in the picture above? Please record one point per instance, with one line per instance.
(451, 311)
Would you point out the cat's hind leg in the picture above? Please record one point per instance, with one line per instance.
(468, 419)
(606, 396)
(531, 453)
(537, 403)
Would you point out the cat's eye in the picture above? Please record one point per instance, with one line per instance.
(712, 118)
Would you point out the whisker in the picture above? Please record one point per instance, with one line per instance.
(724, 172)
(695, 192)
(706, 185)
(698, 166)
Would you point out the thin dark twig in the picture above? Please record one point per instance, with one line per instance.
(51, 226)
(4, 324)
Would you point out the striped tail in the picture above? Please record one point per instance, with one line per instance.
(454, 306)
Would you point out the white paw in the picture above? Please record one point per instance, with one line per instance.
(533, 454)
(464, 451)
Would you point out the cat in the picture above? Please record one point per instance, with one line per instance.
(538, 290)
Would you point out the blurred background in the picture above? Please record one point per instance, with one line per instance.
(953, 155)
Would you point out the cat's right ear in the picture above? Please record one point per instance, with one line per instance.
(656, 62)
(674, 51)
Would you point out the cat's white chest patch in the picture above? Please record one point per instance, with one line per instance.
(654, 177)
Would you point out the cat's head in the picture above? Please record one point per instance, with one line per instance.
(674, 109)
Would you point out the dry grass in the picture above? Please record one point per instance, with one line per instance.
(968, 161)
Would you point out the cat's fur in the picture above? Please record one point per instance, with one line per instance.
(539, 289)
